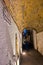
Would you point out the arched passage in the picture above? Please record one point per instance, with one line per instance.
(27, 39)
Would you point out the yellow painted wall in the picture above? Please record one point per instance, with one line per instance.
(27, 13)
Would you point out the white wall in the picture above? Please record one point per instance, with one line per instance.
(35, 39)
(40, 42)
(5, 43)
(13, 30)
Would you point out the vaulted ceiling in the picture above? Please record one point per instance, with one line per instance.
(26, 13)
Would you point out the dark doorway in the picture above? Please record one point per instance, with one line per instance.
(27, 39)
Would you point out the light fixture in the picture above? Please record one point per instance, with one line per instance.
(23, 53)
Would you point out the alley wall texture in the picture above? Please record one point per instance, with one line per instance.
(8, 31)
(40, 42)
(16, 41)
(26, 13)
(6, 51)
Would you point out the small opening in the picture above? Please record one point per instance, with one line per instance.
(27, 39)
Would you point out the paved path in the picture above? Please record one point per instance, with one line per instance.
(32, 57)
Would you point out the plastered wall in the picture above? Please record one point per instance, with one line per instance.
(16, 44)
(13, 30)
(6, 52)
(8, 30)
(40, 42)
(35, 39)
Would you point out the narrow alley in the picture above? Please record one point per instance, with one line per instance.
(21, 32)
